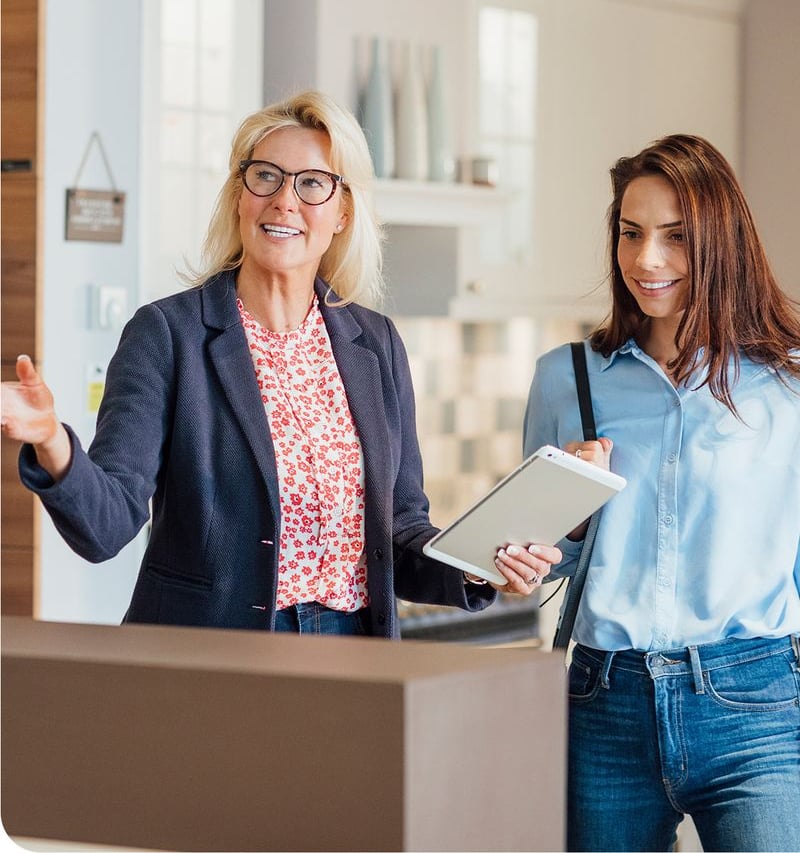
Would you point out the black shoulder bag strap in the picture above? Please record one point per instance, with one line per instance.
(572, 599)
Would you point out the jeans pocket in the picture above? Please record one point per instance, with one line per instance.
(583, 680)
(768, 683)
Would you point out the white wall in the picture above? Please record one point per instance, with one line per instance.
(771, 129)
(91, 83)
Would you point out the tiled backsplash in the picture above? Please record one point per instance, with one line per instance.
(471, 381)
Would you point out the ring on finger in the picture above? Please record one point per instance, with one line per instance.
(578, 453)
(533, 581)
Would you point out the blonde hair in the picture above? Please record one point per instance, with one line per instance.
(352, 265)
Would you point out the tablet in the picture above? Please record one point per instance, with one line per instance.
(543, 499)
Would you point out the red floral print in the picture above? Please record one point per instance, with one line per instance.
(320, 465)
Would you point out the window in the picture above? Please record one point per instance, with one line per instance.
(507, 69)
(202, 75)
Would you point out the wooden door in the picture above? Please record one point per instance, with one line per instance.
(21, 92)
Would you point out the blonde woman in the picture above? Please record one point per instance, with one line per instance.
(267, 414)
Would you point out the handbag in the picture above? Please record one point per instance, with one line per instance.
(566, 619)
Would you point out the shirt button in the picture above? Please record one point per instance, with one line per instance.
(668, 519)
(378, 553)
(672, 457)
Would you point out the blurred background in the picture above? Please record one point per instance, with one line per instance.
(495, 252)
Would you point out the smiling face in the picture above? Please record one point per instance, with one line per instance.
(651, 251)
(282, 236)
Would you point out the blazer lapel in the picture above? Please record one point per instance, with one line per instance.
(230, 357)
(361, 376)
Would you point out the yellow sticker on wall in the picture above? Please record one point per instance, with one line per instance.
(95, 385)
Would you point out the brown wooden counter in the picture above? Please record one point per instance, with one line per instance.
(203, 739)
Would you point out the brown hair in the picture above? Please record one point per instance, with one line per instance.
(735, 305)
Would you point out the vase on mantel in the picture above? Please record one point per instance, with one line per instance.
(441, 163)
(377, 117)
(411, 119)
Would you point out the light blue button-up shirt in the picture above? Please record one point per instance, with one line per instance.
(703, 543)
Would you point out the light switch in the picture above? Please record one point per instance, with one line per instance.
(109, 306)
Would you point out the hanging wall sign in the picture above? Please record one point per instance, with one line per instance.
(95, 215)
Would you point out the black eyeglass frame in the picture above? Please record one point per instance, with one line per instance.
(244, 165)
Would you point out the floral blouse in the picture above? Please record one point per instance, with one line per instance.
(320, 465)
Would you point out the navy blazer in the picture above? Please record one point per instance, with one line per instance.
(183, 441)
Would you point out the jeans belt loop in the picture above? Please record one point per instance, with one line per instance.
(606, 669)
(697, 672)
(796, 646)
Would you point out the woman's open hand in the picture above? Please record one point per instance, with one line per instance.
(28, 414)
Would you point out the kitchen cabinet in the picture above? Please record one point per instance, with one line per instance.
(380, 745)
(432, 253)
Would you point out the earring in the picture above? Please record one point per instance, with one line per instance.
(339, 227)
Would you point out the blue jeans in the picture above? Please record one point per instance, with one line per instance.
(712, 731)
(314, 618)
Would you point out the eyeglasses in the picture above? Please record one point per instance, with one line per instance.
(313, 186)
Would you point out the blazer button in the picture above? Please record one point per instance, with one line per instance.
(381, 619)
(378, 553)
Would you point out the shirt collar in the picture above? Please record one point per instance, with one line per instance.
(629, 347)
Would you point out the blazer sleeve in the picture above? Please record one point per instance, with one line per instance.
(103, 500)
